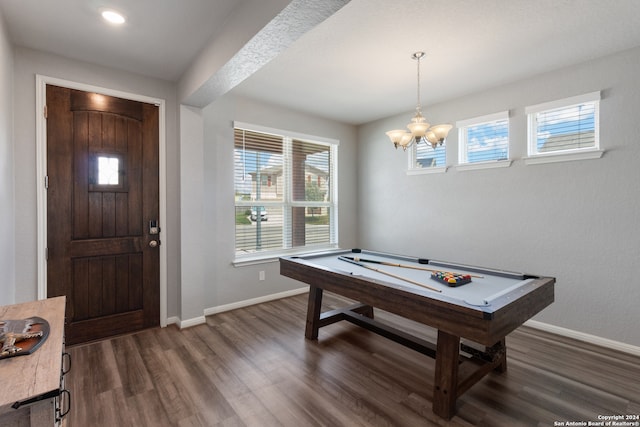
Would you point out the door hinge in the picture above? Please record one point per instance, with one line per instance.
(46, 182)
(45, 112)
(46, 254)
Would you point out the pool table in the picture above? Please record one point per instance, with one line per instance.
(472, 319)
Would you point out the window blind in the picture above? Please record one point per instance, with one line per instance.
(566, 128)
(488, 141)
(484, 139)
(565, 125)
(428, 157)
(311, 186)
(284, 194)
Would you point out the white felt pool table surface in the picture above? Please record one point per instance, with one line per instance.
(494, 286)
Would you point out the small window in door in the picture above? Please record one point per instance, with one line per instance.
(106, 172)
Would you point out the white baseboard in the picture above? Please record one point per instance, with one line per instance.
(581, 336)
(228, 307)
(253, 301)
(192, 322)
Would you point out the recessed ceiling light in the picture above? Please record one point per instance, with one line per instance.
(113, 17)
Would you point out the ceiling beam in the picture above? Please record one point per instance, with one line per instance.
(297, 18)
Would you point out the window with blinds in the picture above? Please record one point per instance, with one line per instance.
(564, 126)
(484, 139)
(426, 156)
(285, 195)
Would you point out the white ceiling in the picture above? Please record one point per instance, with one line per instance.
(160, 38)
(354, 67)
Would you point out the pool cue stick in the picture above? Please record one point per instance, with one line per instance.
(348, 259)
(433, 270)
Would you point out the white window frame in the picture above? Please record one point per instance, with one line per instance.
(463, 125)
(535, 157)
(288, 202)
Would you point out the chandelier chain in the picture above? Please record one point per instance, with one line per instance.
(419, 106)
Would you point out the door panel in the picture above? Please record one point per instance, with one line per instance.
(102, 161)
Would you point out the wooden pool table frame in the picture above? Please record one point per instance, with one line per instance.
(452, 320)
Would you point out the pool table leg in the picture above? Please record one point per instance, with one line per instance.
(313, 313)
(502, 367)
(445, 388)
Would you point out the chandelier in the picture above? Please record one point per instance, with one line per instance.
(419, 129)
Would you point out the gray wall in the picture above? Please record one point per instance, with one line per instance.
(577, 221)
(28, 63)
(209, 279)
(7, 235)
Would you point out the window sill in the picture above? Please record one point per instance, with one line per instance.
(424, 171)
(484, 165)
(265, 258)
(564, 157)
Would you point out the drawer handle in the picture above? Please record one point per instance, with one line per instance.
(68, 364)
(62, 414)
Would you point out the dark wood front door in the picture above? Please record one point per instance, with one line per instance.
(102, 212)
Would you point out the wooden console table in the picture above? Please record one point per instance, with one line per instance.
(32, 385)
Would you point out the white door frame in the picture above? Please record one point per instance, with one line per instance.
(41, 171)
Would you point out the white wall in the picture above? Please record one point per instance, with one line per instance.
(7, 193)
(578, 221)
(28, 63)
(211, 280)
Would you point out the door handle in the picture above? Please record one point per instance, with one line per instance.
(154, 243)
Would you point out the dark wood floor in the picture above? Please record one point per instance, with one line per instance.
(253, 367)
